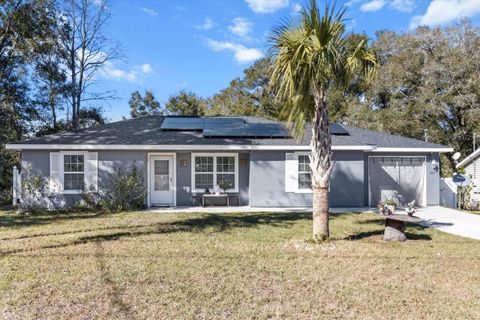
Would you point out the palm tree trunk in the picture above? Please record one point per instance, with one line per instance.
(320, 164)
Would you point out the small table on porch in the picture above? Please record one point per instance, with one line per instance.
(216, 196)
(395, 226)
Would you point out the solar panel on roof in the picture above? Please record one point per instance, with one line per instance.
(182, 123)
(249, 130)
(226, 127)
(338, 130)
(266, 130)
(224, 132)
(223, 122)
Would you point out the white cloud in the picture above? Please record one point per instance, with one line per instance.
(443, 11)
(402, 5)
(112, 72)
(296, 8)
(242, 54)
(351, 2)
(206, 25)
(241, 27)
(376, 5)
(147, 68)
(150, 12)
(266, 6)
(372, 6)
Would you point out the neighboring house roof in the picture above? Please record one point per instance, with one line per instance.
(147, 131)
(470, 158)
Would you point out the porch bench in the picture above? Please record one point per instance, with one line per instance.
(203, 199)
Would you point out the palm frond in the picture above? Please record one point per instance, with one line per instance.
(312, 55)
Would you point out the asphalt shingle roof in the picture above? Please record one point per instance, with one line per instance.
(147, 131)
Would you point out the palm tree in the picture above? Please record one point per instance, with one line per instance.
(309, 59)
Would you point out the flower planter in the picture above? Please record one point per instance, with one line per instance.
(391, 208)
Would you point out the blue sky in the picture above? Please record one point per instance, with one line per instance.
(200, 45)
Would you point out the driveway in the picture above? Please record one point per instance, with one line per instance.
(451, 221)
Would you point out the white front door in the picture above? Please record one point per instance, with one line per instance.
(162, 185)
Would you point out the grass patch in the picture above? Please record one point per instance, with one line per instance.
(257, 265)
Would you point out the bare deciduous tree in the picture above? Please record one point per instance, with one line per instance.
(84, 49)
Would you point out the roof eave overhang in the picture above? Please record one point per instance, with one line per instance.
(468, 159)
(419, 150)
(366, 148)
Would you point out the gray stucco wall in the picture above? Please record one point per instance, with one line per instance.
(349, 180)
(39, 162)
(261, 177)
(267, 181)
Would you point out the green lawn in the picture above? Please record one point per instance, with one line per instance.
(146, 265)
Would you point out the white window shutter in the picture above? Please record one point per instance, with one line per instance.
(291, 172)
(91, 171)
(55, 185)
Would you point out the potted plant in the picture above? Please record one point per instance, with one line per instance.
(410, 208)
(382, 208)
(390, 203)
(225, 185)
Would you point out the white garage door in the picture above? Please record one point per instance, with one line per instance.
(402, 178)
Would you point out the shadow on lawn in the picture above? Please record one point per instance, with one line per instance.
(418, 233)
(217, 221)
(13, 219)
(213, 222)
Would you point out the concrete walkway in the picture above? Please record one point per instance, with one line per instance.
(252, 209)
(451, 221)
(219, 209)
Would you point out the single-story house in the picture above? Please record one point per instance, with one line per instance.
(471, 165)
(181, 157)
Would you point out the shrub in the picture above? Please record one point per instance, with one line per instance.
(6, 197)
(125, 191)
(33, 194)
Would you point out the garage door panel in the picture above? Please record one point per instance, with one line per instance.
(402, 178)
(385, 180)
(411, 185)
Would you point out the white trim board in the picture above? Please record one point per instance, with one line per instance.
(439, 150)
(469, 158)
(196, 147)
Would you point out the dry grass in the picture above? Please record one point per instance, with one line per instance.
(146, 265)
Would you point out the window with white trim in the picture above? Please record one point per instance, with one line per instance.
(226, 172)
(215, 170)
(73, 172)
(203, 177)
(304, 173)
